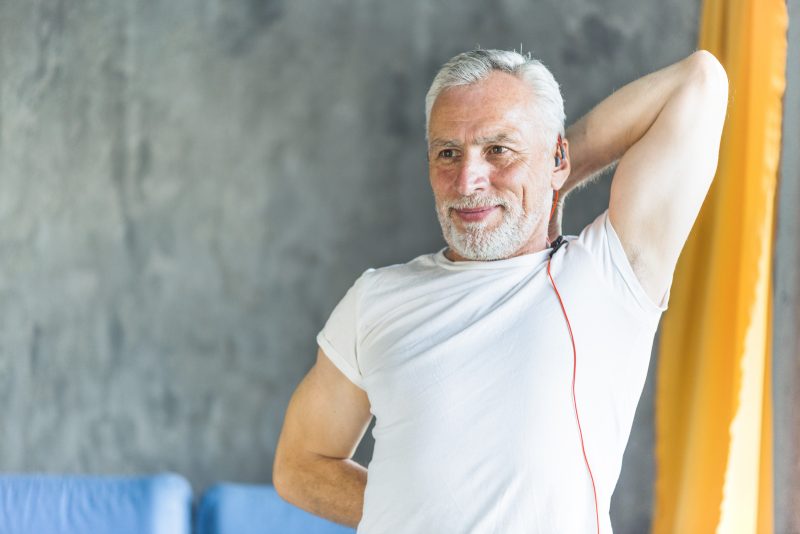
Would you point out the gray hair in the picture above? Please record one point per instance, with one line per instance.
(470, 67)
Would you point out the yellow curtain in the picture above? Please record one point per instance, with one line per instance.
(713, 394)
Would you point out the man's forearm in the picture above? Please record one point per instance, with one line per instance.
(601, 137)
(329, 488)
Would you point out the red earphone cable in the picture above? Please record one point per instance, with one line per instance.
(553, 210)
(574, 371)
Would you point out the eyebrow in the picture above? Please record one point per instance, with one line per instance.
(501, 137)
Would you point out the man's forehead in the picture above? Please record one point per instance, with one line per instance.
(483, 120)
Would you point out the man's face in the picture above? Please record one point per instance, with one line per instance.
(485, 151)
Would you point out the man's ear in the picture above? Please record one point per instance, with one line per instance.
(562, 170)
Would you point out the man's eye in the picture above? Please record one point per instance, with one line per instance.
(446, 153)
(497, 149)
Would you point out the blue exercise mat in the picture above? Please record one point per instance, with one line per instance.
(79, 504)
(257, 509)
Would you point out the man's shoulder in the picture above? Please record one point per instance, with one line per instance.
(601, 246)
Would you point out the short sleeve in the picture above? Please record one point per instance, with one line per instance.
(339, 337)
(604, 245)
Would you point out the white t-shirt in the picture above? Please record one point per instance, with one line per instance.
(468, 368)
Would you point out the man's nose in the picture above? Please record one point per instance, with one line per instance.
(473, 174)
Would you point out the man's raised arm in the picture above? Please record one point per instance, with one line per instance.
(665, 129)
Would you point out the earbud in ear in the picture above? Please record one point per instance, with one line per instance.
(561, 148)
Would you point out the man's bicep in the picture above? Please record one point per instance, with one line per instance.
(327, 416)
(661, 181)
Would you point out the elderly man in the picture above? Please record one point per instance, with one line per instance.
(504, 370)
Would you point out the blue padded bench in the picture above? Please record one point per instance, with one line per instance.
(81, 504)
(257, 509)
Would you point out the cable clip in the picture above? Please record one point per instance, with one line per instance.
(557, 244)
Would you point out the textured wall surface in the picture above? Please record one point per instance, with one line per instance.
(188, 188)
(786, 308)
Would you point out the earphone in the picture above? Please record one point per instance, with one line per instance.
(561, 147)
(559, 241)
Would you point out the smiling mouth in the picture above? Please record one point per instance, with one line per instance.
(475, 210)
(475, 214)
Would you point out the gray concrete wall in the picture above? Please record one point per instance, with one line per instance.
(786, 306)
(188, 188)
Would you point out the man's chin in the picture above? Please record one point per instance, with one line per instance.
(486, 252)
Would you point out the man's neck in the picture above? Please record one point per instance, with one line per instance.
(452, 255)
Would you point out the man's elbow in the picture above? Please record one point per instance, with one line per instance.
(277, 478)
(288, 468)
(710, 74)
(281, 472)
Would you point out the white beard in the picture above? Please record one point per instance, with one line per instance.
(479, 240)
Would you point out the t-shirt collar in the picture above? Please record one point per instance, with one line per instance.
(523, 260)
